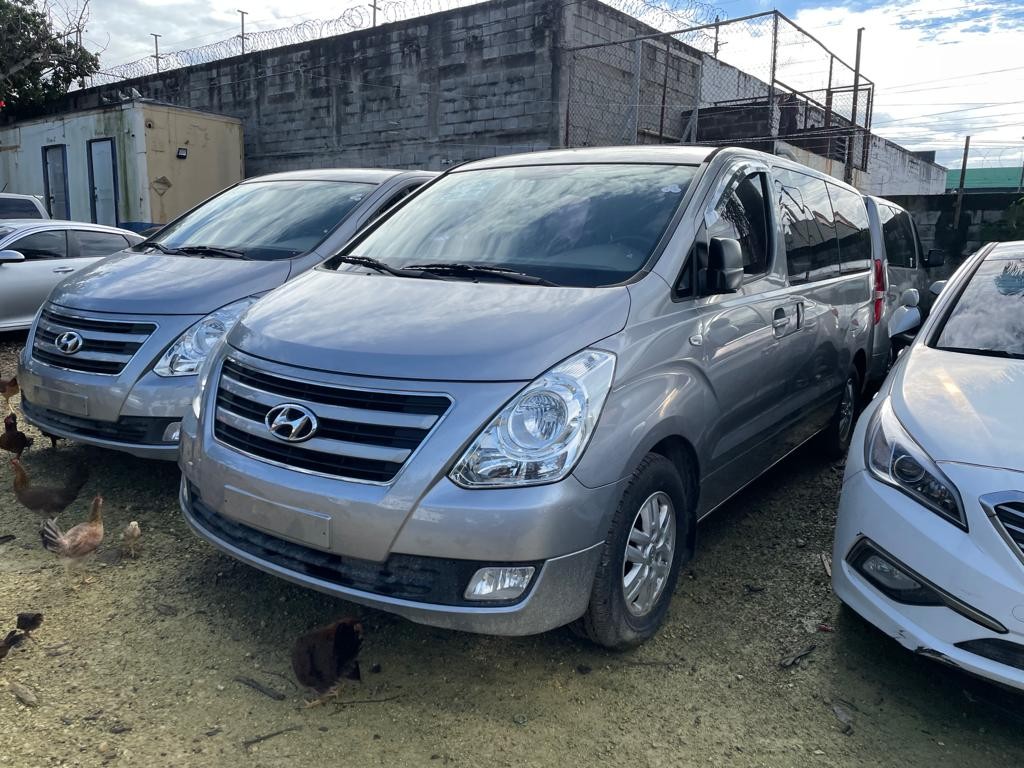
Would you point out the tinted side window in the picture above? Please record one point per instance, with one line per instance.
(812, 250)
(43, 245)
(851, 229)
(92, 244)
(898, 234)
(742, 215)
(13, 208)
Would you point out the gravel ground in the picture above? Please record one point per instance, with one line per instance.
(141, 666)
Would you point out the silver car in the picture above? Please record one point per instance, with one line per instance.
(112, 357)
(506, 405)
(900, 264)
(37, 254)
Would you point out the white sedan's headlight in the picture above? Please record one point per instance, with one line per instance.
(538, 437)
(189, 350)
(894, 458)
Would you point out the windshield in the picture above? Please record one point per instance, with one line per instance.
(575, 225)
(988, 318)
(265, 220)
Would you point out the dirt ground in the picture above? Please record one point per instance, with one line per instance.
(142, 666)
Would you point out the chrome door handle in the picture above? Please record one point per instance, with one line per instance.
(62, 270)
(780, 320)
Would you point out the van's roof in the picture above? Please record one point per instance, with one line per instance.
(653, 153)
(364, 175)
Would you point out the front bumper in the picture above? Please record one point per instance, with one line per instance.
(558, 594)
(976, 568)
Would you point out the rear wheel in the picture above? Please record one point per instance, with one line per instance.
(645, 547)
(839, 431)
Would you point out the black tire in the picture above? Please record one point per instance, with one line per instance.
(837, 435)
(608, 621)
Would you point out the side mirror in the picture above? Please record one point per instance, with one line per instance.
(725, 265)
(936, 288)
(903, 320)
(11, 257)
(934, 258)
(910, 298)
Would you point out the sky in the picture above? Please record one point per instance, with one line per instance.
(943, 69)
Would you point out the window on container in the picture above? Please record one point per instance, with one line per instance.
(742, 214)
(852, 229)
(805, 212)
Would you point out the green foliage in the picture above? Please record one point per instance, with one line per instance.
(40, 56)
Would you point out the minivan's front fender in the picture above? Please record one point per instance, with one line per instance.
(640, 414)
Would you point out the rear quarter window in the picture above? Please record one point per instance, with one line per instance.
(805, 211)
(851, 229)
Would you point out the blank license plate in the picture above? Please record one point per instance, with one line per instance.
(77, 405)
(292, 523)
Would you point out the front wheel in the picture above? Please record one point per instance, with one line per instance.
(839, 431)
(643, 551)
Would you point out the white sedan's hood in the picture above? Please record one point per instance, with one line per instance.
(961, 407)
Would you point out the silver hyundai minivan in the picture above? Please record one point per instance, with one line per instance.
(111, 358)
(505, 406)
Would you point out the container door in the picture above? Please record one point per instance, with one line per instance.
(103, 181)
(55, 160)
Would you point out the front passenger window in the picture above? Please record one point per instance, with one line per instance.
(42, 245)
(742, 215)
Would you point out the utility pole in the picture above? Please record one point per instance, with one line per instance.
(156, 50)
(1020, 184)
(848, 172)
(960, 189)
(243, 14)
(373, 5)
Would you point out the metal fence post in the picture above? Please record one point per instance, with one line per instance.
(771, 82)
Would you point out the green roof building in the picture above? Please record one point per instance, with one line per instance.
(986, 179)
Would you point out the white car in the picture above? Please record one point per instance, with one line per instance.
(929, 542)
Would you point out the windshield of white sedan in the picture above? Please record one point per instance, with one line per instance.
(263, 221)
(988, 318)
(574, 225)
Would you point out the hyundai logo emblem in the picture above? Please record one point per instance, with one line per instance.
(68, 342)
(291, 423)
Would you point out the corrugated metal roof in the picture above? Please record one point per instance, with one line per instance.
(985, 178)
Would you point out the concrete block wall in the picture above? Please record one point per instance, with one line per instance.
(427, 93)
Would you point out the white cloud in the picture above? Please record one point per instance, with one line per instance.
(918, 54)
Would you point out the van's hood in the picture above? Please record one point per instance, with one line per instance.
(160, 284)
(961, 407)
(444, 330)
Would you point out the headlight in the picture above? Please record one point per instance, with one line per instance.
(538, 437)
(204, 376)
(894, 458)
(187, 353)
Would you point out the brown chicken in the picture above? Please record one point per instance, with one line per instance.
(321, 658)
(75, 547)
(50, 500)
(12, 439)
(8, 389)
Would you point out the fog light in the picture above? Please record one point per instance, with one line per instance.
(887, 573)
(499, 583)
(899, 583)
(173, 432)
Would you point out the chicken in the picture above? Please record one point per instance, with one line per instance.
(322, 657)
(75, 547)
(29, 622)
(130, 536)
(50, 500)
(9, 388)
(12, 640)
(12, 439)
(53, 439)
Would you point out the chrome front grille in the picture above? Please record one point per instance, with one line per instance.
(1010, 517)
(364, 435)
(107, 345)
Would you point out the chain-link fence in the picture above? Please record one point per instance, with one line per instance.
(753, 81)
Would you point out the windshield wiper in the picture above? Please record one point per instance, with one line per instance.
(380, 266)
(160, 247)
(469, 270)
(211, 250)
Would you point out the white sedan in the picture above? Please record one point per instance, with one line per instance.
(36, 254)
(929, 542)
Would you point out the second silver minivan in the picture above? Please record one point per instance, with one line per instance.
(506, 405)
